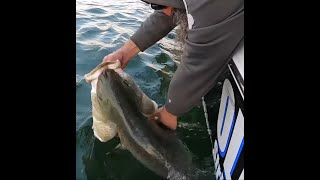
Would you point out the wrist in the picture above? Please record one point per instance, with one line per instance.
(129, 50)
(168, 119)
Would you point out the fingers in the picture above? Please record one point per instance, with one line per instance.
(156, 116)
(113, 56)
(108, 58)
(117, 55)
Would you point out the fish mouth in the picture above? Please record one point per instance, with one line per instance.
(117, 77)
(115, 74)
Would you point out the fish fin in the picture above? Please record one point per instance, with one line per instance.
(121, 145)
(118, 147)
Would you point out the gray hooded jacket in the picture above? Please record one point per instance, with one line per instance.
(215, 29)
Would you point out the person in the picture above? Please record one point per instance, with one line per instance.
(214, 29)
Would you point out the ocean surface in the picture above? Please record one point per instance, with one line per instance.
(103, 26)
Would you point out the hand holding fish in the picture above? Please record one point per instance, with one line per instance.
(166, 118)
(124, 54)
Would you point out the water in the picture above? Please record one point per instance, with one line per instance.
(103, 26)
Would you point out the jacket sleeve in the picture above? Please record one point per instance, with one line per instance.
(207, 52)
(154, 28)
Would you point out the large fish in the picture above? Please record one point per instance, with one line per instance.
(156, 147)
(121, 100)
(104, 116)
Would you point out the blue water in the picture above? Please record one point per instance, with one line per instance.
(103, 26)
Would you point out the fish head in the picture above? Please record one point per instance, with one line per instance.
(104, 91)
(124, 87)
(127, 90)
(117, 88)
